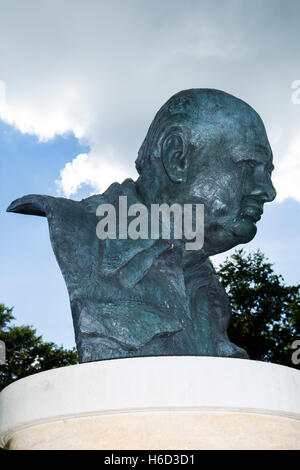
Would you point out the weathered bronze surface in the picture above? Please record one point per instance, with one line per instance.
(153, 297)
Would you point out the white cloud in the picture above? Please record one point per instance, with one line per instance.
(102, 69)
(33, 118)
(287, 173)
(2, 94)
(92, 169)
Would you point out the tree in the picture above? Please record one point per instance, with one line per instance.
(27, 353)
(266, 312)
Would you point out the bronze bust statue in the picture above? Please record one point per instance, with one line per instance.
(147, 297)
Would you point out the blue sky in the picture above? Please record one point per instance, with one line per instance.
(30, 278)
(78, 91)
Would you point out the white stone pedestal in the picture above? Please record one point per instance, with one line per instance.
(155, 403)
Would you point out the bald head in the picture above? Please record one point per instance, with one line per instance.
(202, 115)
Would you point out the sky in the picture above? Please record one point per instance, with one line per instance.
(80, 83)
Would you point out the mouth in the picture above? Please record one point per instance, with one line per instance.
(252, 210)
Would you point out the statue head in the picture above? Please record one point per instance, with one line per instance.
(206, 146)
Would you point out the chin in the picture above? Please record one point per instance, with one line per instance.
(225, 237)
(244, 231)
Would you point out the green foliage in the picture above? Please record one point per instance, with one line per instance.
(6, 316)
(266, 312)
(27, 353)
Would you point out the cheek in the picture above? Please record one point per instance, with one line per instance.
(225, 204)
(220, 191)
(219, 207)
(228, 190)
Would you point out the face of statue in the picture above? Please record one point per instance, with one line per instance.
(231, 176)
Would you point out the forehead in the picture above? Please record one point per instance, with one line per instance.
(250, 143)
(243, 134)
(231, 129)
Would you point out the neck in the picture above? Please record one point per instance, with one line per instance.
(149, 191)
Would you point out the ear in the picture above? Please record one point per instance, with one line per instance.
(173, 156)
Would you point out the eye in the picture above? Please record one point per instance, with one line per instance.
(251, 163)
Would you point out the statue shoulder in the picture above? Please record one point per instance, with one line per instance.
(41, 205)
(45, 206)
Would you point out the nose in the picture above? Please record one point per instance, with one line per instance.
(269, 192)
(265, 190)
